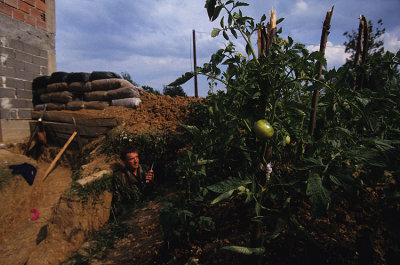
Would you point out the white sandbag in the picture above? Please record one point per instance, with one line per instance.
(126, 102)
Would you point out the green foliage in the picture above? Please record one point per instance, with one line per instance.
(128, 77)
(151, 90)
(355, 141)
(91, 190)
(245, 250)
(380, 68)
(174, 91)
(179, 225)
(5, 176)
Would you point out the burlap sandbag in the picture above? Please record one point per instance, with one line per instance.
(39, 107)
(41, 90)
(124, 83)
(50, 106)
(95, 96)
(99, 105)
(75, 105)
(57, 77)
(77, 77)
(78, 87)
(57, 87)
(40, 82)
(123, 92)
(96, 75)
(56, 97)
(106, 84)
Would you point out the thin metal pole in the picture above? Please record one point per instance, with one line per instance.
(196, 92)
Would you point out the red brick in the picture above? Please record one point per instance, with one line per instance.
(30, 2)
(13, 3)
(35, 13)
(40, 5)
(23, 7)
(5, 9)
(18, 15)
(30, 20)
(41, 25)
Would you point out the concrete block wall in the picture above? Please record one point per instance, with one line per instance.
(27, 50)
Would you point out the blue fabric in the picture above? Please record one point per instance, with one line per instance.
(26, 170)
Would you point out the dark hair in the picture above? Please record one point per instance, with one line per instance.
(125, 151)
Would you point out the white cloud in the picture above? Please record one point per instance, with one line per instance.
(301, 6)
(392, 40)
(334, 54)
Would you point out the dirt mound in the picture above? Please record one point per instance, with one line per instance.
(156, 113)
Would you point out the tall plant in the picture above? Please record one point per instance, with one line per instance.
(271, 169)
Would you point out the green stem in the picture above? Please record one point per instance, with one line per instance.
(273, 111)
(248, 41)
(214, 77)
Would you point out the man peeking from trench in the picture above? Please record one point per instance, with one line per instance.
(131, 182)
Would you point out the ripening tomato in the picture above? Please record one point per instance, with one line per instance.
(287, 139)
(263, 129)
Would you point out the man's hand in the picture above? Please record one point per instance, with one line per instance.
(149, 176)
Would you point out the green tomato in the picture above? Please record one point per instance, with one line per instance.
(287, 139)
(263, 129)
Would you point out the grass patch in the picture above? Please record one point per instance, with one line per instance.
(99, 243)
(5, 176)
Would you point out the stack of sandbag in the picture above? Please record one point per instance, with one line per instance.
(75, 91)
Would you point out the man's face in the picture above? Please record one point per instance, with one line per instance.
(132, 160)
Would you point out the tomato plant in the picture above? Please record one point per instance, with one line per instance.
(275, 161)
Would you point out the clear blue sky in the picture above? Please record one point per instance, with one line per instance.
(152, 39)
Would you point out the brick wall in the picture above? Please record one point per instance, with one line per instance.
(32, 12)
(27, 50)
(20, 64)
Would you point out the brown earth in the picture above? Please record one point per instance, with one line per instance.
(65, 222)
(155, 113)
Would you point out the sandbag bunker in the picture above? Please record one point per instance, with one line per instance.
(75, 91)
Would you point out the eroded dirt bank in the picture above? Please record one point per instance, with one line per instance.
(63, 224)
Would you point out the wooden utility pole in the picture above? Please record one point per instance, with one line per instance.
(322, 47)
(196, 91)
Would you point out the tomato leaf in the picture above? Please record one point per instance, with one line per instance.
(319, 195)
(215, 32)
(246, 250)
(183, 79)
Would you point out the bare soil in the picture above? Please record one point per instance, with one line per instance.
(18, 232)
(64, 220)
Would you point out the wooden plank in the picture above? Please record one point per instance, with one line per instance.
(59, 134)
(81, 119)
(62, 137)
(88, 131)
(53, 163)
